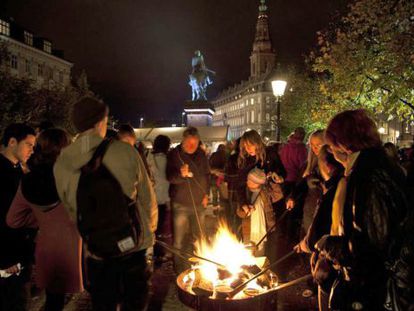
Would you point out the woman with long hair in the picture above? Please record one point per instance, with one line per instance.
(37, 204)
(368, 216)
(252, 154)
(307, 191)
(322, 271)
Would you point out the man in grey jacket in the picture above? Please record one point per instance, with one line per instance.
(122, 280)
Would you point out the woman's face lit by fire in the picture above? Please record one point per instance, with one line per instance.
(250, 148)
(340, 153)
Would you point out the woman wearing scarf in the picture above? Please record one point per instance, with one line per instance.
(368, 212)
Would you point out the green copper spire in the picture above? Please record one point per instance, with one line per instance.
(262, 7)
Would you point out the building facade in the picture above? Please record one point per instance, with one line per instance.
(33, 57)
(393, 130)
(250, 104)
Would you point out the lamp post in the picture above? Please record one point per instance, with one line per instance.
(182, 119)
(278, 87)
(141, 122)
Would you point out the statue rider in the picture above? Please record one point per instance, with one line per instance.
(198, 62)
(199, 78)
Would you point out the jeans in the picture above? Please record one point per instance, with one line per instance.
(214, 190)
(122, 281)
(164, 228)
(186, 230)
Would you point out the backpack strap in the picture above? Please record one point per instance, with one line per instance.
(98, 155)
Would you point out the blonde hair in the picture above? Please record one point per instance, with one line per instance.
(252, 137)
(312, 161)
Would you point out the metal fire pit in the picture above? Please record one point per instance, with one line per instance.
(266, 301)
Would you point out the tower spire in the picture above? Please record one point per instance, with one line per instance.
(262, 58)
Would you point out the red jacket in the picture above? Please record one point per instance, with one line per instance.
(293, 156)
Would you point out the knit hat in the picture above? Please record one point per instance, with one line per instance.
(87, 112)
(257, 176)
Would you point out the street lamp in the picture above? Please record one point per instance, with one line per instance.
(182, 119)
(278, 87)
(141, 122)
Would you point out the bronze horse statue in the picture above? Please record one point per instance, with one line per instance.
(199, 78)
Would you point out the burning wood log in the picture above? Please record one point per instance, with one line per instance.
(201, 286)
(222, 291)
(254, 269)
(223, 273)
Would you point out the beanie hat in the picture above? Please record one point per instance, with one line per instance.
(257, 176)
(87, 112)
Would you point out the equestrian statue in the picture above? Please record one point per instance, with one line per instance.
(199, 78)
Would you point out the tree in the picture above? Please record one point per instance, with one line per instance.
(301, 105)
(20, 101)
(367, 60)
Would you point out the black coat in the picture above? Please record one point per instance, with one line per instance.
(272, 163)
(17, 244)
(322, 218)
(374, 211)
(180, 187)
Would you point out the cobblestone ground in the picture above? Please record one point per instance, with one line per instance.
(164, 294)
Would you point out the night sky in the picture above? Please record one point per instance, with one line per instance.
(137, 54)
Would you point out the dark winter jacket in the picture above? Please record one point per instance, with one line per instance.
(374, 211)
(17, 244)
(183, 190)
(322, 219)
(272, 163)
(218, 160)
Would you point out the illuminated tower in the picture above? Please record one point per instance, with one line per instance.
(263, 57)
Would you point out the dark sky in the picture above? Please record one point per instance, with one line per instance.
(137, 54)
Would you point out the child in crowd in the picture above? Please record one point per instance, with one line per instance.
(258, 217)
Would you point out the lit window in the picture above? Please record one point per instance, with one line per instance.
(4, 28)
(47, 47)
(247, 117)
(28, 38)
(13, 61)
(252, 101)
(252, 117)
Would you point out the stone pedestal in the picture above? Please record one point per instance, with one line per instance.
(199, 113)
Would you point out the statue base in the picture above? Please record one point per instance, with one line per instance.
(199, 113)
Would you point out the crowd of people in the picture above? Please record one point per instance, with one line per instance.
(85, 212)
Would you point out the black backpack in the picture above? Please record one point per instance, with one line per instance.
(107, 219)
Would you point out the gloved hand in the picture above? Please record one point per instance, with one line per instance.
(333, 247)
